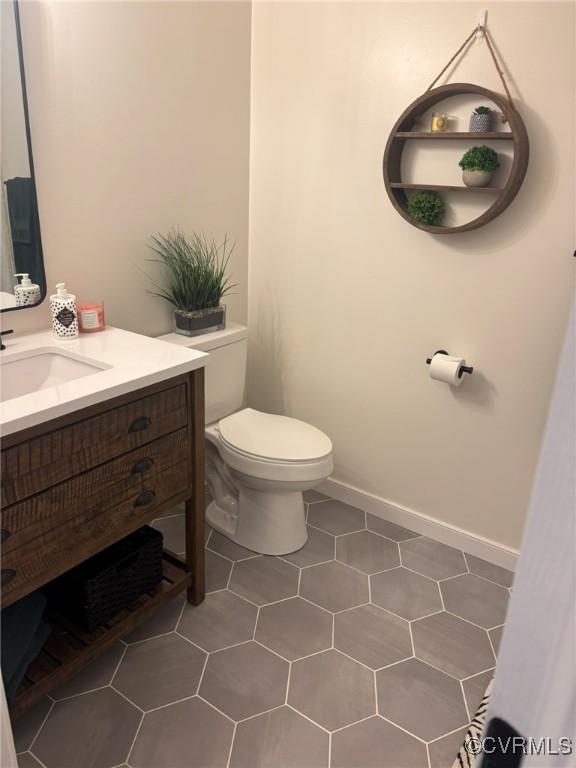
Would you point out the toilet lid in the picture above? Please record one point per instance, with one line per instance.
(274, 437)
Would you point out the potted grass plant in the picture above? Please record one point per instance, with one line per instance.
(427, 208)
(478, 164)
(195, 280)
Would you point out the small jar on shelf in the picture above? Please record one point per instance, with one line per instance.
(439, 122)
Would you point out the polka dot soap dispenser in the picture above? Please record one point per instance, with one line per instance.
(64, 313)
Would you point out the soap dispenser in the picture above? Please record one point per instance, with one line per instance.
(64, 314)
(26, 292)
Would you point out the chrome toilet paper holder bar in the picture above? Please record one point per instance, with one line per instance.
(465, 368)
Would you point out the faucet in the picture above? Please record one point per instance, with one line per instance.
(4, 333)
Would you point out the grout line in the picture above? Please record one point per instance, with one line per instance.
(288, 679)
(492, 645)
(229, 579)
(266, 648)
(490, 669)
(209, 703)
(329, 749)
(427, 616)
(441, 596)
(43, 723)
(129, 754)
(376, 693)
(322, 562)
(302, 714)
(412, 639)
(428, 758)
(123, 695)
(231, 745)
(356, 722)
(276, 602)
(146, 639)
(266, 712)
(433, 741)
(471, 622)
(83, 693)
(311, 655)
(337, 650)
(170, 704)
(310, 565)
(256, 623)
(202, 674)
(395, 663)
(27, 752)
(403, 729)
(465, 701)
(320, 607)
(236, 594)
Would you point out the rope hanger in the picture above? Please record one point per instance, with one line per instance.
(488, 39)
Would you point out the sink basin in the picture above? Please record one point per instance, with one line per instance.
(35, 369)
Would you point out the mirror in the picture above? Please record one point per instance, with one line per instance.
(22, 279)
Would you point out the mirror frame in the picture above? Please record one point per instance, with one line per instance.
(42, 277)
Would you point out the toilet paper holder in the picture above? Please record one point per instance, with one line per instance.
(465, 368)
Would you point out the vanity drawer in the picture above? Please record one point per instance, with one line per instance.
(45, 557)
(91, 492)
(34, 465)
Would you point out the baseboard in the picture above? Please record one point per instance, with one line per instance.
(506, 557)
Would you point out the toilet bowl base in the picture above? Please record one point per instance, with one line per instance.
(267, 523)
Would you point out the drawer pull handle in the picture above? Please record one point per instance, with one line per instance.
(144, 498)
(143, 465)
(140, 424)
(4, 534)
(6, 576)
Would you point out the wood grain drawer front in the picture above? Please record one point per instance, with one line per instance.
(44, 461)
(44, 558)
(91, 492)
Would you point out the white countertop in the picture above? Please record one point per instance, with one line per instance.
(127, 362)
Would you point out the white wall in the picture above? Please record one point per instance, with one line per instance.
(140, 122)
(347, 299)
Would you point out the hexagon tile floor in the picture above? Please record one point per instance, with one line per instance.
(371, 646)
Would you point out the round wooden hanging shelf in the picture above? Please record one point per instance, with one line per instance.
(403, 132)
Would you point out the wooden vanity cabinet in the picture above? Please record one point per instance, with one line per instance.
(73, 486)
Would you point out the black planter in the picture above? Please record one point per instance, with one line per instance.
(200, 320)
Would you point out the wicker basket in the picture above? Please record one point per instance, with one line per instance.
(97, 589)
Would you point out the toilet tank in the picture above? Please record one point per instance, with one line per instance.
(225, 372)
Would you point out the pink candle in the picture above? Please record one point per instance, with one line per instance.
(91, 317)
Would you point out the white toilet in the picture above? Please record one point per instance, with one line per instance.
(257, 464)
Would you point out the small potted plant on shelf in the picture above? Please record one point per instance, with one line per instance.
(481, 120)
(478, 164)
(426, 208)
(195, 280)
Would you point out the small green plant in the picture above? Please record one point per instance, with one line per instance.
(483, 111)
(195, 270)
(479, 159)
(426, 208)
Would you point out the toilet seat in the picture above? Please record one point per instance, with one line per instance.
(300, 452)
(273, 438)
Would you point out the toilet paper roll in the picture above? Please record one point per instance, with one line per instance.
(447, 368)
